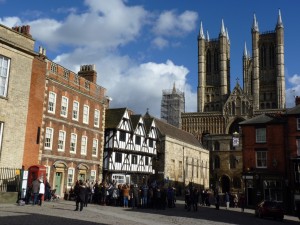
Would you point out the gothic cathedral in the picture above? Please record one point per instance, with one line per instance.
(220, 110)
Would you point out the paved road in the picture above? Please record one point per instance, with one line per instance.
(61, 212)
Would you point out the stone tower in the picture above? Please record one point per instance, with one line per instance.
(264, 73)
(213, 71)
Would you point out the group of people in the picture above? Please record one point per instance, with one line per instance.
(231, 201)
(124, 195)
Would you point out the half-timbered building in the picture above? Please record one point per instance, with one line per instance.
(130, 147)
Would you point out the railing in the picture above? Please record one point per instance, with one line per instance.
(9, 179)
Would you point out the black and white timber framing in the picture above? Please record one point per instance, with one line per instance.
(129, 148)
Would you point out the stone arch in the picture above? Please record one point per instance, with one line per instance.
(233, 126)
(225, 183)
(60, 164)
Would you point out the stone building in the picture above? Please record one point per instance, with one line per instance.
(16, 58)
(181, 159)
(219, 110)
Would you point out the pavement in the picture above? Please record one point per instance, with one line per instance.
(62, 212)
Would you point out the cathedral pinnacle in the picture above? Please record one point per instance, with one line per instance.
(279, 21)
(223, 32)
(255, 24)
(207, 36)
(245, 51)
(201, 34)
(227, 35)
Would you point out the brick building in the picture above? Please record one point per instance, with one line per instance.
(49, 115)
(72, 130)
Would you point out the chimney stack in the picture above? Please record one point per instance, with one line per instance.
(88, 72)
(25, 30)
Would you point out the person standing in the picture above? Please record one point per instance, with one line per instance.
(41, 192)
(47, 191)
(35, 190)
(227, 200)
(242, 202)
(80, 191)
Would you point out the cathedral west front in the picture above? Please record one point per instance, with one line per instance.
(220, 109)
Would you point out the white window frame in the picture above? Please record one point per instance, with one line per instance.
(298, 123)
(51, 102)
(83, 149)
(48, 138)
(4, 75)
(298, 146)
(73, 143)
(95, 147)
(70, 178)
(261, 135)
(64, 106)
(1, 134)
(93, 176)
(86, 112)
(97, 118)
(259, 156)
(75, 111)
(61, 140)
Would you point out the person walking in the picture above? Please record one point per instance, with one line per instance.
(41, 192)
(80, 191)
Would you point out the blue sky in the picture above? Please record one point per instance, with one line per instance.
(141, 47)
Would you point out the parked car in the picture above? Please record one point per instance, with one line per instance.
(268, 208)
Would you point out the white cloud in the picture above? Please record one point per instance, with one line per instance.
(160, 42)
(94, 37)
(170, 24)
(106, 24)
(11, 21)
(293, 91)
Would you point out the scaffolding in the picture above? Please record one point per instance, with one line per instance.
(172, 105)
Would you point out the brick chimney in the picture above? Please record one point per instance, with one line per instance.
(25, 30)
(297, 100)
(88, 72)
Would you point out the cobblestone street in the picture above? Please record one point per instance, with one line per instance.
(62, 212)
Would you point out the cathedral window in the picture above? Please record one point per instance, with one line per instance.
(232, 162)
(272, 56)
(263, 57)
(208, 62)
(217, 162)
(217, 146)
(216, 60)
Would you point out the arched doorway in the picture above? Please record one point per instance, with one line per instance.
(225, 184)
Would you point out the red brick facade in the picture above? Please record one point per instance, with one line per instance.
(64, 165)
(35, 112)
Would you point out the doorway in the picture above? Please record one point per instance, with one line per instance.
(225, 182)
(58, 177)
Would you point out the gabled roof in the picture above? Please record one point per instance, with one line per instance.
(166, 129)
(135, 120)
(113, 117)
(294, 110)
(263, 119)
(148, 120)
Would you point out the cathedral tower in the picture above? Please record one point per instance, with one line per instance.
(213, 71)
(266, 68)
